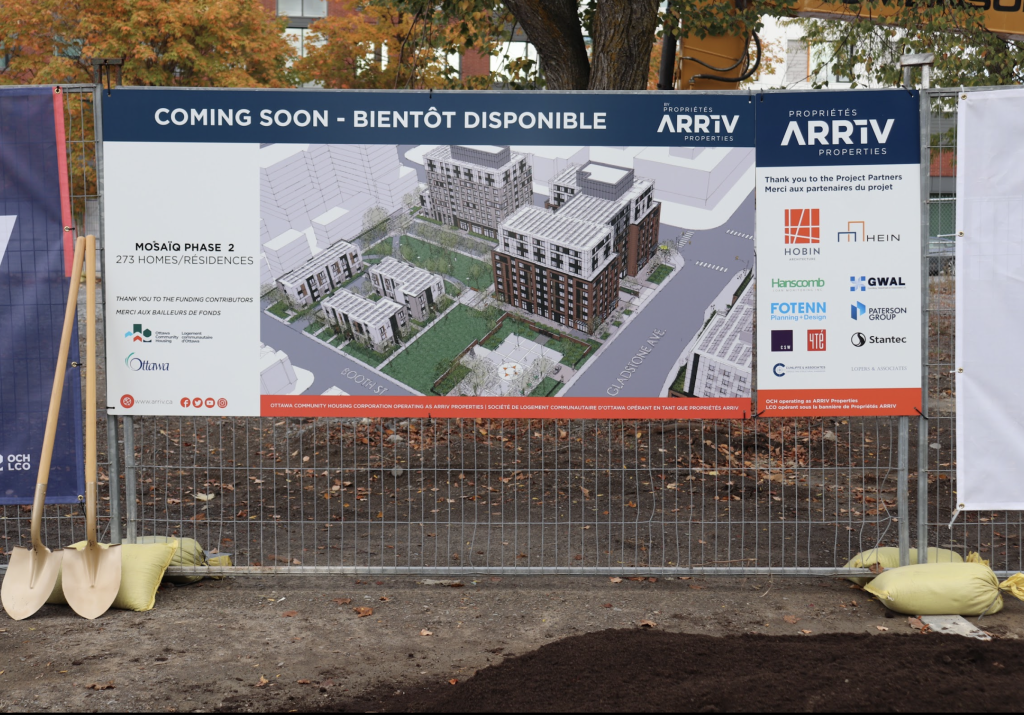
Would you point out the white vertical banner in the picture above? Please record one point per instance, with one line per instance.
(989, 296)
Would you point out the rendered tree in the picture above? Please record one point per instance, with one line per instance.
(482, 378)
(213, 43)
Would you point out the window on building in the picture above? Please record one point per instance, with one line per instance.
(302, 8)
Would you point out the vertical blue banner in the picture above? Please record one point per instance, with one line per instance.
(33, 297)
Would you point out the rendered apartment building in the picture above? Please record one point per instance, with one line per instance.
(612, 195)
(559, 267)
(375, 323)
(476, 187)
(321, 274)
(722, 357)
(408, 285)
(564, 261)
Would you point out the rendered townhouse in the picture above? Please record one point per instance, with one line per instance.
(722, 358)
(321, 274)
(378, 324)
(408, 285)
(476, 187)
(564, 261)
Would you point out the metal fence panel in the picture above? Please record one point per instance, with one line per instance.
(630, 498)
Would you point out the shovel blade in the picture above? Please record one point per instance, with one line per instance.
(91, 579)
(29, 581)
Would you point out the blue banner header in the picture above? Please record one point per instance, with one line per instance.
(838, 128)
(687, 119)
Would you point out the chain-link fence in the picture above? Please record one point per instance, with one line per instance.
(633, 498)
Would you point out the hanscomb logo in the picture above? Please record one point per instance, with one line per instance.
(782, 283)
(139, 365)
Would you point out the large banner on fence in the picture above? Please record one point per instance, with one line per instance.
(838, 253)
(989, 296)
(35, 254)
(407, 253)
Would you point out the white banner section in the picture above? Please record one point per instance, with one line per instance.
(183, 276)
(989, 296)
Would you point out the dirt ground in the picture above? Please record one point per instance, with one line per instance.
(296, 643)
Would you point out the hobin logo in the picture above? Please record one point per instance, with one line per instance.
(139, 365)
(803, 225)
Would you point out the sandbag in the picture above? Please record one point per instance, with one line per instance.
(965, 589)
(888, 557)
(142, 567)
(189, 553)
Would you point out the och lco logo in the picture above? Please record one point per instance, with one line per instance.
(138, 335)
(858, 340)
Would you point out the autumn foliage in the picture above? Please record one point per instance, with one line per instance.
(204, 43)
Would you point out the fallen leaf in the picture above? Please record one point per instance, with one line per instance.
(915, 623)
(109, 685)
(174, 501)
(881, 628)
(615, 579)
(453, 681)
(296, 562)
(263, 681)
(384, 598)
(363, 611)
(647, 624)
(425, 632)
(805, 632)
(289, 614)
(792, 620)
(876, 568)
(302, 682)
(606, 605)
(343, 601)
(204, 497)
(198, 517)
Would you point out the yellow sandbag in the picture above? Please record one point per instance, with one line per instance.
(219, 560)
(888, 557)
(142, 567)
(189, 553)
(965, 589)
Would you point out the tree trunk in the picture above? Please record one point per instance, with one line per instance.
(623, 32)
(553, 27)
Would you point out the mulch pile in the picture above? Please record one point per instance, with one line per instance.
(651, 670)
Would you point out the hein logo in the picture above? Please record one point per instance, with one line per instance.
(138, 335)
(856, 233)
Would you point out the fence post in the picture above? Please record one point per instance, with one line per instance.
(131, 510)
(903, 490)
(922, 422)
(114, 485)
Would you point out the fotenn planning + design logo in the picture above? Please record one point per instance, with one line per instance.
(137, 364)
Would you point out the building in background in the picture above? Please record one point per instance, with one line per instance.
(322, 274)
(378, 324)
(477, 187)
(408, 285)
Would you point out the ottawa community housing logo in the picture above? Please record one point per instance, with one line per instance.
(139, 335)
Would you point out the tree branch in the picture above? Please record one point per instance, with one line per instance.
(623, 33)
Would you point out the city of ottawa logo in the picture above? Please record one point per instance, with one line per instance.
(138, 335)
(136, 364)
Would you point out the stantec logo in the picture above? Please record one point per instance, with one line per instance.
(783, 284)
(782, 341)
(859, 340)
(856, 233)
(799, 310)
(136, 364)
(862, 283)
(138, 335)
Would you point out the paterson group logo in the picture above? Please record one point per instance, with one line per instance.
(863, 283)
(137, 364)
(859, 311)
(803, 232)
(139, 335)
(856, 232)
(798, 310)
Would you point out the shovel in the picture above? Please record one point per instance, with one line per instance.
(32, 573)
(92, 576)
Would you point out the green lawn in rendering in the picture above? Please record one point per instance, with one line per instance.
(571, 352)
(548, 386)
(417, 366)
(361, 352)
(421, 253)
(508, 328)
(660, 273)
(280, 309)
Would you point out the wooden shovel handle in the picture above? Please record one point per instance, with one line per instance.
(43, 475)
(90, 389)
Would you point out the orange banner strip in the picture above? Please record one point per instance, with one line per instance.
(893, 401)
(498, 408)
